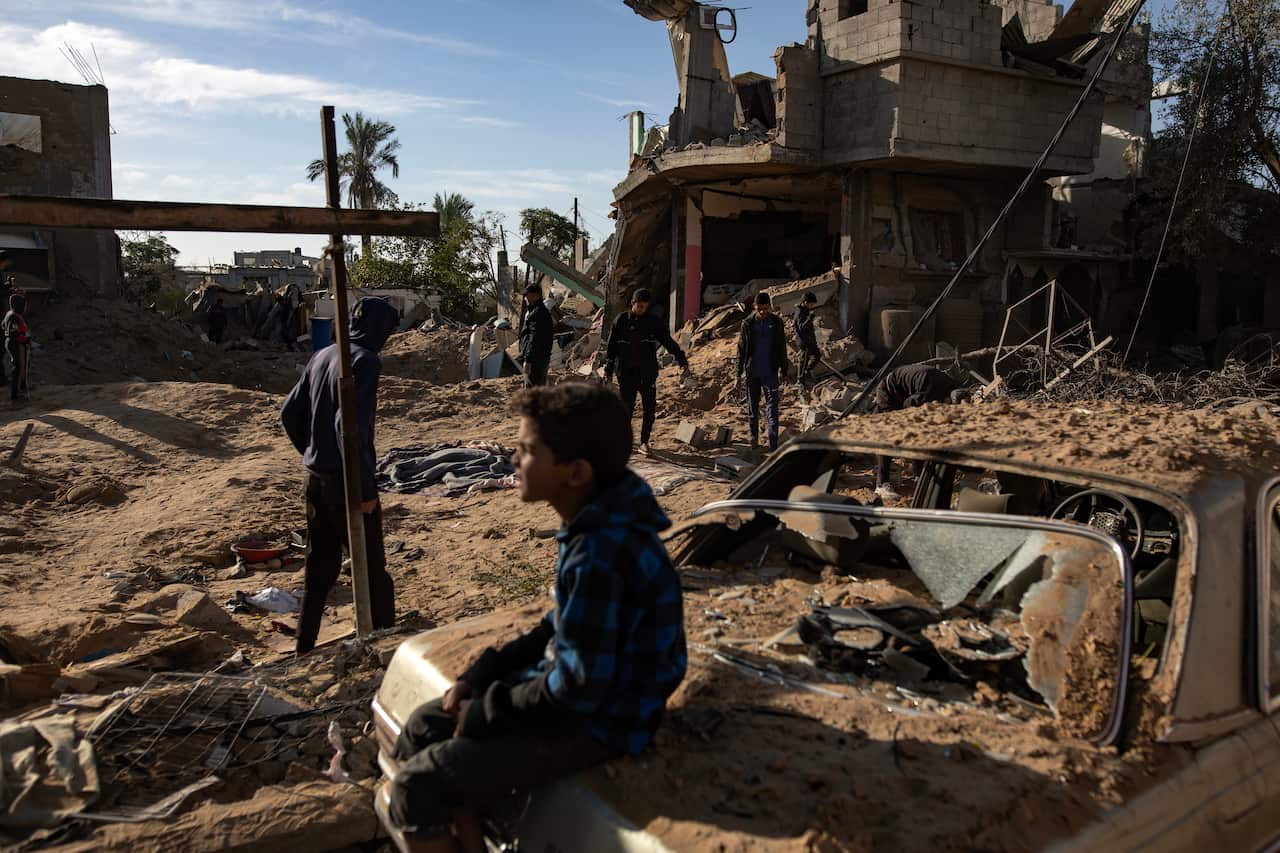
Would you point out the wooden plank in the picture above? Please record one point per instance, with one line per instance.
(118, 214)
(1081, 360)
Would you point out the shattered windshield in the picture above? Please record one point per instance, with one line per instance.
(938, 600)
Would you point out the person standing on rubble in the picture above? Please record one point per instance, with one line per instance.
(6, 290)
(905, 388)
(810, 353)
(536, 336)
(310, 417)
(762, 357)
(633, 355)
(17, 343)
(217, 321)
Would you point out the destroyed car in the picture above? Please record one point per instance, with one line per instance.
(1049, 646)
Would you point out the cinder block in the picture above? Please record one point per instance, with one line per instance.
(691, 434)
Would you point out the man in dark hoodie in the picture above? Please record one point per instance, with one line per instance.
(17, 343)
(905, 388)
(633, 354)
(310, 417)
(536, 335)
(762, 356)
(591, 681)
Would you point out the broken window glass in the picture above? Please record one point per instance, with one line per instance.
(1034, 608)
(21, 131)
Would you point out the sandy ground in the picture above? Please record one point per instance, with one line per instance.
(157, 479)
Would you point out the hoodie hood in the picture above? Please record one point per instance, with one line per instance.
(17, 303)
(627, 503)
(372, 321)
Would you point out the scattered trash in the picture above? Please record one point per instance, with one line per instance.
(275, 600)
(47, 772)
(336, 772)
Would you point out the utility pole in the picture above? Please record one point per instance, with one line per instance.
(575, 220)
(346, 390)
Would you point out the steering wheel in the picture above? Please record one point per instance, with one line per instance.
(1109, 512)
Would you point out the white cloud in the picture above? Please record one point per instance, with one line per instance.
(282, 19)
(487, 121)
(620, 103)
(145, 76)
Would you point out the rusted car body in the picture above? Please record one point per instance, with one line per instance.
(1175, 595)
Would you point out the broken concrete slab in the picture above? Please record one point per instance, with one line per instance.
(692, 435)
(197, 610)
(734, 465)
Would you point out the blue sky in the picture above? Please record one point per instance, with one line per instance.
(511, 102)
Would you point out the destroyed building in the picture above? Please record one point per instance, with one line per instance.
(55, 140)
(880, 153)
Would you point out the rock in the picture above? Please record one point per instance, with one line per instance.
(197, 610)
(163, 600)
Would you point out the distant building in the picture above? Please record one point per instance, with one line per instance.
(55, 140)
(270, 269)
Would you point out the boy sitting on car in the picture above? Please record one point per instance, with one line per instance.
(590, 682)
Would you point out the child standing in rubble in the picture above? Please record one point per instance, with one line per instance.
(807, 335)
(17, 343)
(633, 355)
(310, 417)
(591, 681)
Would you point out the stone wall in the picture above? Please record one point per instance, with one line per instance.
(799, 98)
(75, 160)
(961, 30)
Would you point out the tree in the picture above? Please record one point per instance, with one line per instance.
(372, 148)
(459, 263)
(1233, 170)
(148, 264)
(452, 208)
(549, 231)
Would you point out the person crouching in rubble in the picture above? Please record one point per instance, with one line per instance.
(762, 355)
(810, 353)
(536, 336)
(591, 681)
(906, 388)
(17, 343)
(310, 417)
(633, 354)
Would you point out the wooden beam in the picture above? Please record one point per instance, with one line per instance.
(18, 211)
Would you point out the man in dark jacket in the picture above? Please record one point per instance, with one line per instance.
(17, 343)
(810, 354)
(762, 357)
(591, 681)
(217, 321)
(633, 356)
(310, 417)
(905, 388)
(536, 335)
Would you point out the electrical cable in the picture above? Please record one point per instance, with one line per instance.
(1173, 204)
(1031, 177)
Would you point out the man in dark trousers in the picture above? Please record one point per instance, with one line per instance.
(17, 343)
(906, 388)
(310, 417)
(536, 335)
(633, 356)
(762, 357)
(810, 354)
(217, 321)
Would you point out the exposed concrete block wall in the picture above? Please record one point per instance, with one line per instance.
(799, 98)
(1039, 17)
(961, 30)
(962, 114)
(75, 160)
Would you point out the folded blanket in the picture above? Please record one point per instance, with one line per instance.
(455, 469)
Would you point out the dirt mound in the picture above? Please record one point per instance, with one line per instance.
(92, 340)
(1168, 446)
(438, 356)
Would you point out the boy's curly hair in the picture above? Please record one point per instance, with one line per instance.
(581, 420)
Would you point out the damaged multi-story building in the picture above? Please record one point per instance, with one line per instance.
(55, 140)
(884, 147)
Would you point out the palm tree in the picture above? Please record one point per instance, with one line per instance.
(453, 207)
(372, 148)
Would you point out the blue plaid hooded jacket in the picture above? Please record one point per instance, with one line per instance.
(613, 649)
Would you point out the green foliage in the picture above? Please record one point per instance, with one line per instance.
(1233, 171)
(548, 230)
(371, 148)
(458, 264)
(148, 264)
(453, 208)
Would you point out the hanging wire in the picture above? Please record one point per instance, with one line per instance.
(1032, 177)
(1173, 205)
